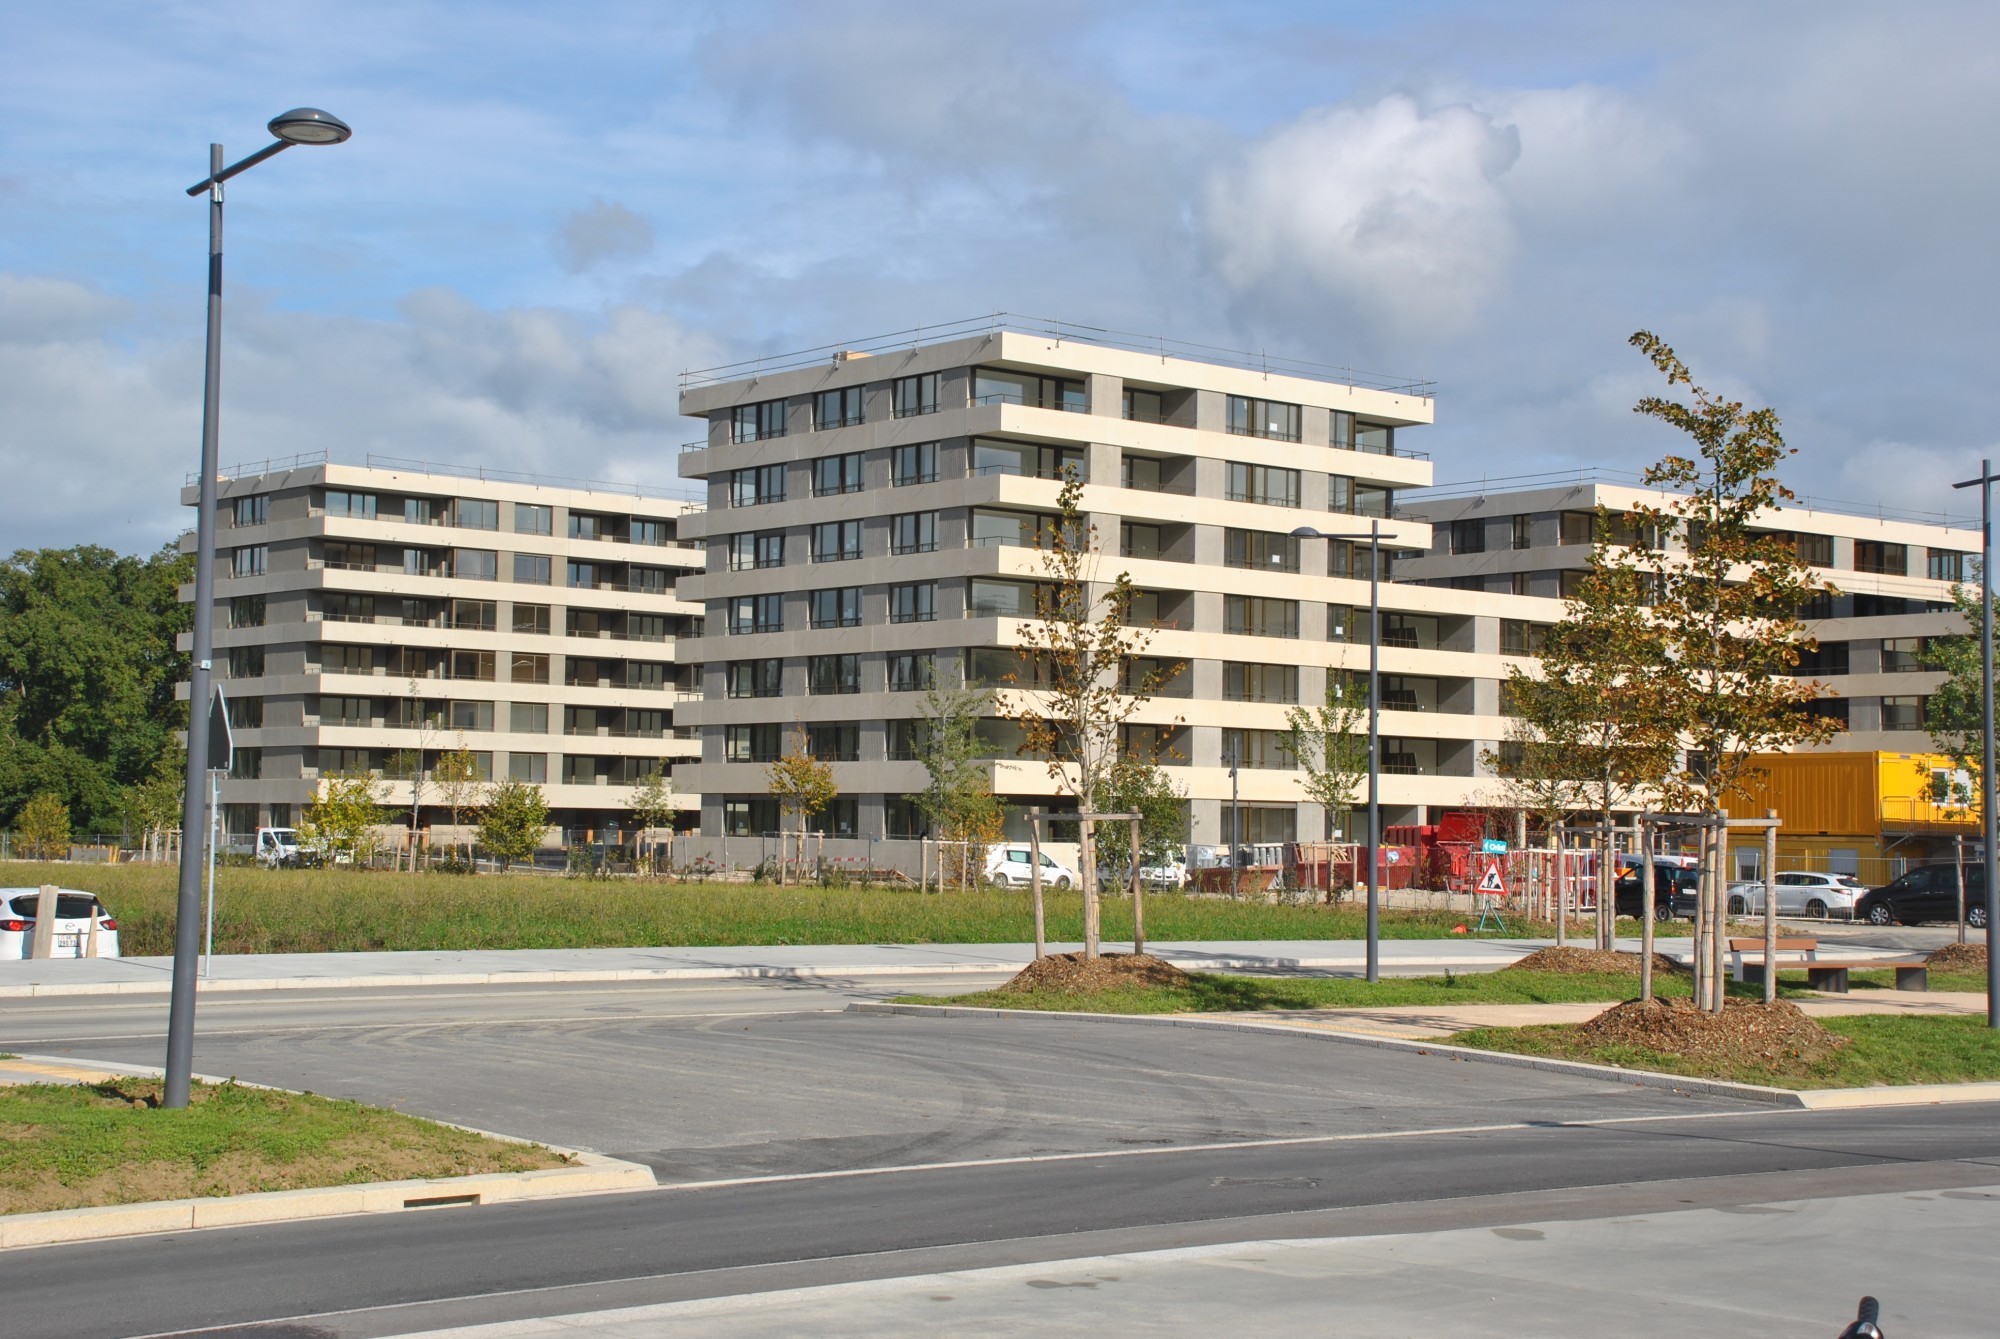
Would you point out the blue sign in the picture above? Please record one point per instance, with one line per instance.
(1492, 846)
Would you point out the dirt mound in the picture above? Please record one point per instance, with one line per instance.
(1745, 1033)
(1958, 958)
(1073, 973)
(1587, 962)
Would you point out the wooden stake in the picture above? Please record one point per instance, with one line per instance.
(1035, 882)
(1138, 896)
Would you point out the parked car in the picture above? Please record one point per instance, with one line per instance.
(1926, 893)
(1171, 874)
(1676, 891)
(1801, 893)
(74, 909)
(1011, 865)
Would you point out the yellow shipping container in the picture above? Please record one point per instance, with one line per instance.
(1865, 813)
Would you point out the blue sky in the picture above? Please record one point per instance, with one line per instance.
(547, 212)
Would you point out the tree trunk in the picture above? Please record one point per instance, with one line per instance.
(1719, 900)
(1606, 895)
(1086, 875)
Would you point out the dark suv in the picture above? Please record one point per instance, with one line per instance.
(1676, 892)
(1926, 893)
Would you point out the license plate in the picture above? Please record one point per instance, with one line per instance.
(68, 941)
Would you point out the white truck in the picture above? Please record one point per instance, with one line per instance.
(277, 847)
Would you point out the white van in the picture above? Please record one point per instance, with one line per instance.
(1012, 866)
(277, 847)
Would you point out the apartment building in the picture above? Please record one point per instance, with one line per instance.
(366, 613)
(870, 528)
(1893, 578)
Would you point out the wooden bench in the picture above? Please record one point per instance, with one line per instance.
(1827, 974)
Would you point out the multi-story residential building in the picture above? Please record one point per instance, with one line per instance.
(1893, 578)
(871, 525)
(365, 613)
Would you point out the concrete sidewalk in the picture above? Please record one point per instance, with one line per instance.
(310, 971)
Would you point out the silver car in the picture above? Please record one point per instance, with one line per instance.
(1807, 893)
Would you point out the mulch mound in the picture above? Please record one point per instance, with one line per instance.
(1072, 973)
(1746, 1032)
(1958, 958)
(1587, 962)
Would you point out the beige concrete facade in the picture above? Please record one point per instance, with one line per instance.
(365, 611)
(1193, 482)
(1894, 579)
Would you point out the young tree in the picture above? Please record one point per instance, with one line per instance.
(344, 814)
(154, 805)
(1330, 743)
(1139, 785)
(514, 821)
(653, 805)
(1082, 647)
(1725, 612)
(802, 785)
(459, 785)
(1955, 711)
(408, 764)
(43, 827)
(1537, 773)
(958, 800)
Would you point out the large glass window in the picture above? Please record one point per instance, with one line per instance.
(836, 541)
(1139, 540)
(833, 674)
(1263, 418)
(1271, 485)
(837, 408)
(246, 611)
(1260, 550)
(1468, 536)
(343, 502)
(1258, 616)
(913, 464)
(756, 422)
(1518, 637)
(532, 569)
(912, 671)
(840, 817)
(916, 395)
(1260, 683)
(1349, 498)
(994, 385)
(1375, 439)
(837, 607)
(476, 565)
(1002, 599)
(993, 456)
(468, 716)
(1902, 655)
(755, 487)
(1143, 406)
(1141, 472)
(749, 816)
(530, 767)
(253, 510)
(834, 741)
(913, 532)
(531, 519)
(1882, 559)
(528, 718)
(760, 741)
(905, 743)
(528, 667)
(756, 613)
(252, 560)
(1410, 757)
(914, 603)
(473, 513)
(1945, 564)
(1263, 749)
(833, 475)
(762, 548)
(755, 678)
(652, 533)
(1014, 529)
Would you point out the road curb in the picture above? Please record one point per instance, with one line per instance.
(1778, 1097)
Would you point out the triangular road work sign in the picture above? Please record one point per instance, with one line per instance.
(1490, 883)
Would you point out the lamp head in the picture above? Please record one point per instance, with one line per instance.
(1307, 532)
(309, 125)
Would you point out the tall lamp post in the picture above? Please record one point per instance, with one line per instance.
(302, 125)
(1984, 483)
(1374, 538)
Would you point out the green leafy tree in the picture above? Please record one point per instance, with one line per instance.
(958, 800)
(42, 828)
(1955, 711)
(459, 786)
(514, 821)
(154, 805)
(803, 786)
(1330, 743)
(343, 815)
(1139, 785)
(654, 805)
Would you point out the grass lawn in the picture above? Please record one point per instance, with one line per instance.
(1208, 992)
(1883, 1049)
(67, 1146)
(336, 910)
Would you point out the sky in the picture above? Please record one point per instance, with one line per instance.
(548, 212)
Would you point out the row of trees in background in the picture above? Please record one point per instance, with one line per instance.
(510, 816)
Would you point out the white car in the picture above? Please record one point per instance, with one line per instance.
(1171, 875)
(277, 847)
(74, 909)
(1012, 867)
(1801, 893)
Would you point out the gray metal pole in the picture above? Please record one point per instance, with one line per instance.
(1986, 856)
(1374, 749)
(194, 817)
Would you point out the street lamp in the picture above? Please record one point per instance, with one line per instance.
(1984, 483)
(301, 125)
(1374, 538)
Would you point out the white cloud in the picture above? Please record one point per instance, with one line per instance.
(1393, 211)
(605, 231)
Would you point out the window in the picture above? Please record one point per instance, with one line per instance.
(755, 422)
(528, 718)
(346, 555)
(916, 395)
(357, 506)
(1815, 550)
(532, 619)
(246, 611)
(1902, 713)
(1882, 559)
(1260, 683)
(1259, 550)
(906, 740)
(837, 607)
(479, 665)
(1349, 498)
(749, 816)
(1145, 407)
(530, 767)
(1829, 658)
(1818, 605)
(246, 764)
(836, 541)
(474, 615)
(1403, 692)
(758, 742)
(1902, 655)
(1002, 599)
(1156, 675)
(833, 674)
(245, 713)
(468, 716)
(523, 667)
(1347, 559)
(1521, 583)
(583, 525)
(426, 562)
(648, 580)
(913, 532)
(834, 741)
(1375, 439)
(1414, 632)
(1468, 536)
(246, 662)
(420, 510)
(755, 678)
(469, 513)
(586, 576)
(530, 519)
(1518, 637)
(914, 603)
(755, 487)
(1268, 484)
(348, 607)
(840, 817)
(253, 510)
(992, 385)
(650, 533)
(763, 548)
(837, 408)
(1410, 757)
(336, 659)
(913, 464)
(1137, 540)
(346, 711)
(250, 561)
(992, 456)
(1946, 565)
(756, 613)
(1256, 748)
(833, 475)
(1143, 473)
(476, 565)
(1256, 616)
(1263, 418)
(1524, 531)
(912, 671)
(531, 569)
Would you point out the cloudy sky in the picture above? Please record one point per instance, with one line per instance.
(548, 211)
